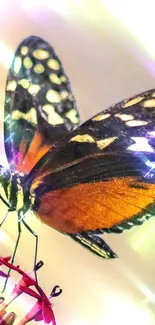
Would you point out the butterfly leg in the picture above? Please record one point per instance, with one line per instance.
(14, 253)
(6, 215)
(4, 201)
(36, 247)
(4, 218)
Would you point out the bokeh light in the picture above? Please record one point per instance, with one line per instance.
(6, 54)
(134, 16)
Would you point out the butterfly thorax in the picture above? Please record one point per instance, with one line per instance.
(5, 177)
(17, 197)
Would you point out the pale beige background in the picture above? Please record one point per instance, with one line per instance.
(108, 51)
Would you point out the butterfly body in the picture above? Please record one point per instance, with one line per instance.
(13, 188)
(84, 181)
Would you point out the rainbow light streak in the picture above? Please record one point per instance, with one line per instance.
(6, 55)
(140, 22)
(9, 127)
(139, 284)
(59, 6)
(67, 8)
(127, 313)
(10, 137)
(150, 164)
(3, 170)
(6, 239)
(23, 216)
(78, 3)
(7, 117)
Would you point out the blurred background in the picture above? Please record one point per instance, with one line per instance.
(108, 51)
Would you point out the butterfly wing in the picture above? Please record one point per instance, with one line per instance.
(101, 178)
(39, 105)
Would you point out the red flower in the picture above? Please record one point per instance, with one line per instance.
(7, 318)
(42, 309)
(4, 275)
(21, 286)
(5, 259)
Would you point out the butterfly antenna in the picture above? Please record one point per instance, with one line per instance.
(56, 291)
(38, 265)
(8, 206)
(36, 248)
(14, 254)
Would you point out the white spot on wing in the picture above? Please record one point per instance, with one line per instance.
(24, 50)
(64, 94)
(71, 115)
(41, 54)
(136, 123)
(24, 83)
(39, 68)
(27, 62)
(11, 85)
(141, 144)
(33, 89)
(132, 102)
(53, 64)
(54, 78)
(30, 116)
(105, 142)
(17, 64)
(83, 138)
(53, 117)
(125, 117)
(149, 103)
(101, 117)
(53, 96)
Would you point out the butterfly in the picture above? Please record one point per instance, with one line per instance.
(82, 180)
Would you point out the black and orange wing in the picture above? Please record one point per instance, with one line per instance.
(101, 178)
(39, 104)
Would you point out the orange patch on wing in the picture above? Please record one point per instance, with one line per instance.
(36, 150)
(95, 205)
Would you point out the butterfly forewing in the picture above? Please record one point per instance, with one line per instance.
(102, 175)
(39, 105)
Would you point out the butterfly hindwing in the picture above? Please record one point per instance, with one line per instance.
(39, 105)
(101, 178)
(95, 244)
